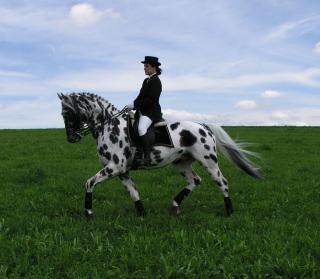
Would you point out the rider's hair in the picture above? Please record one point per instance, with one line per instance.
(159, 70)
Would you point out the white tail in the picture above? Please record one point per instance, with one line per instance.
(235, 152)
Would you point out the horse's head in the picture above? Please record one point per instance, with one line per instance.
(73, 120)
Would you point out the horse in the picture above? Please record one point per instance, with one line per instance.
(85, 113)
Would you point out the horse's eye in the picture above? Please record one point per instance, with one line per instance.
(66, 113)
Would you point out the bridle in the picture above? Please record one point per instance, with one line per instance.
(84, 129)
(124, 110)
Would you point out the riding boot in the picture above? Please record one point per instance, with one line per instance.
(137, 160)
(146, 143)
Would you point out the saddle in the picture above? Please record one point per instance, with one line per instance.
(159, 129)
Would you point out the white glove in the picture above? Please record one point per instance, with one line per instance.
(130, 106)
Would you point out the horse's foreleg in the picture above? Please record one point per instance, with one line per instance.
(134, 194)
(106, 173)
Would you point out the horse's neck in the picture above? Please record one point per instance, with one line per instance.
(109, 108)
(111, 132)
(102, 111)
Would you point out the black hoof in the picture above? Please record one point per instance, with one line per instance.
(88, 213)
(175, 211)
(229, 213)
(141, 212)
(228, 206)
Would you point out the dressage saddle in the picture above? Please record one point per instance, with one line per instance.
(162, 136)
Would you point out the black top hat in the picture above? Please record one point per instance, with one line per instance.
(151, 60)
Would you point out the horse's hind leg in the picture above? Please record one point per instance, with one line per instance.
(185, 169)
(128, 183)
(222, 183)
(210, 162)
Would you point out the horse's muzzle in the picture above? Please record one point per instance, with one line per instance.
(73, 137)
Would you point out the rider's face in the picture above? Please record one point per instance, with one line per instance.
(149, 70)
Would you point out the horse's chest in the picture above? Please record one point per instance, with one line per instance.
(111, 145)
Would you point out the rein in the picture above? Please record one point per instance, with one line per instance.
(85, 130)
(124, 110)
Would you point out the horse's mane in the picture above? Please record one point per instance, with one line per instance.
(70, 99)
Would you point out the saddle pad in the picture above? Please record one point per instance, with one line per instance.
(162, 135)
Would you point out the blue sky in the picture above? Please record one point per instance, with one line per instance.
(224, 62)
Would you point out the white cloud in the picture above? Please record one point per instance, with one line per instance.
(182, 115)
(195, 82)
(24, 86)
(294, 117)
(85, 14)
(271, 94)
(100, 80)
(14, 74)
(246, 104)
(279, 115)
(127, 80)
(300, 27)
(39, 113)
(317, 47)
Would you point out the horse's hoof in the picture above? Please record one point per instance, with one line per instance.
(175, 211)
(228, 206)
(88, 213)
(141, 212)
(229, 214)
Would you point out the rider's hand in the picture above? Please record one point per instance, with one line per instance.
(129, 107)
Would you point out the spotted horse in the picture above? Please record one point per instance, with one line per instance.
(86, 113)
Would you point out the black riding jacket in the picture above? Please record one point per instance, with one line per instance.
(147, 101)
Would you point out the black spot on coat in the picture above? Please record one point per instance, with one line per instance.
(202, 133)
(109, 171)
(174, 126)
(187, 138)
(156, 152)
(108, 155)
(196, 181)
(213, 157)
(127, 152)
(115, 158)
(113, 138)
(116, 130)
(101, 151)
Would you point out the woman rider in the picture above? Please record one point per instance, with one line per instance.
(147, 106)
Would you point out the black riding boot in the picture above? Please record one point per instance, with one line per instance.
(146, 143)
(138, 158)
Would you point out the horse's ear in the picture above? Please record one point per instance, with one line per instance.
(61, 96)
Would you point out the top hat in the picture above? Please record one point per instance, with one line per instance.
(151, 60)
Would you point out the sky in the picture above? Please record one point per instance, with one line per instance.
(226, 62)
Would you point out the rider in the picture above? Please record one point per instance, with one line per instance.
(147, 106)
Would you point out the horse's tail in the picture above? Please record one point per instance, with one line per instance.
(235, 152)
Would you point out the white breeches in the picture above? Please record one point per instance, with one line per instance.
(144, 124)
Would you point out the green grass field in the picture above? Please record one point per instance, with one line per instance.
(274, 232)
